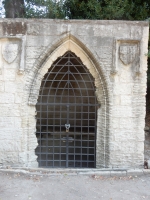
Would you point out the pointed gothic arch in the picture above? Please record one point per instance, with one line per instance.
(44, 63)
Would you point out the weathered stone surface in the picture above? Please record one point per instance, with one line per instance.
(113, 52)
(13, 28)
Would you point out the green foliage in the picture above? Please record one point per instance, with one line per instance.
(44, 9)
(78, 9)
(108, 9)
(86, 9)
(113, 9)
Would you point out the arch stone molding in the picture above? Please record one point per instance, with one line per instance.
(102, 83)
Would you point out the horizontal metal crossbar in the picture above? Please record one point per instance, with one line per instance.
(70, 104)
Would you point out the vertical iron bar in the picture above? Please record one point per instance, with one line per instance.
(67, 142)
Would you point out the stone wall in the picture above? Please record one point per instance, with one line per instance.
(115, 54)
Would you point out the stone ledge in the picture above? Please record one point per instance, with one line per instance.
(132, 172)
(146, 171)
(98, 172)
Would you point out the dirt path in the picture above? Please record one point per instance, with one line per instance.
(14, 186)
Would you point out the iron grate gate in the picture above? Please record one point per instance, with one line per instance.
(66, 115)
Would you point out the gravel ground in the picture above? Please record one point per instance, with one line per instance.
(16, 186)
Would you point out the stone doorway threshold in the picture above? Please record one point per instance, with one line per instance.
(88, 172)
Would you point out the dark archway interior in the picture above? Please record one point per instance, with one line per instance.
(66, 115)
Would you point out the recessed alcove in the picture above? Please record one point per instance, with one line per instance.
(67, 115)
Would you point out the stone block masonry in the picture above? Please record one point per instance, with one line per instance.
(114, 52)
